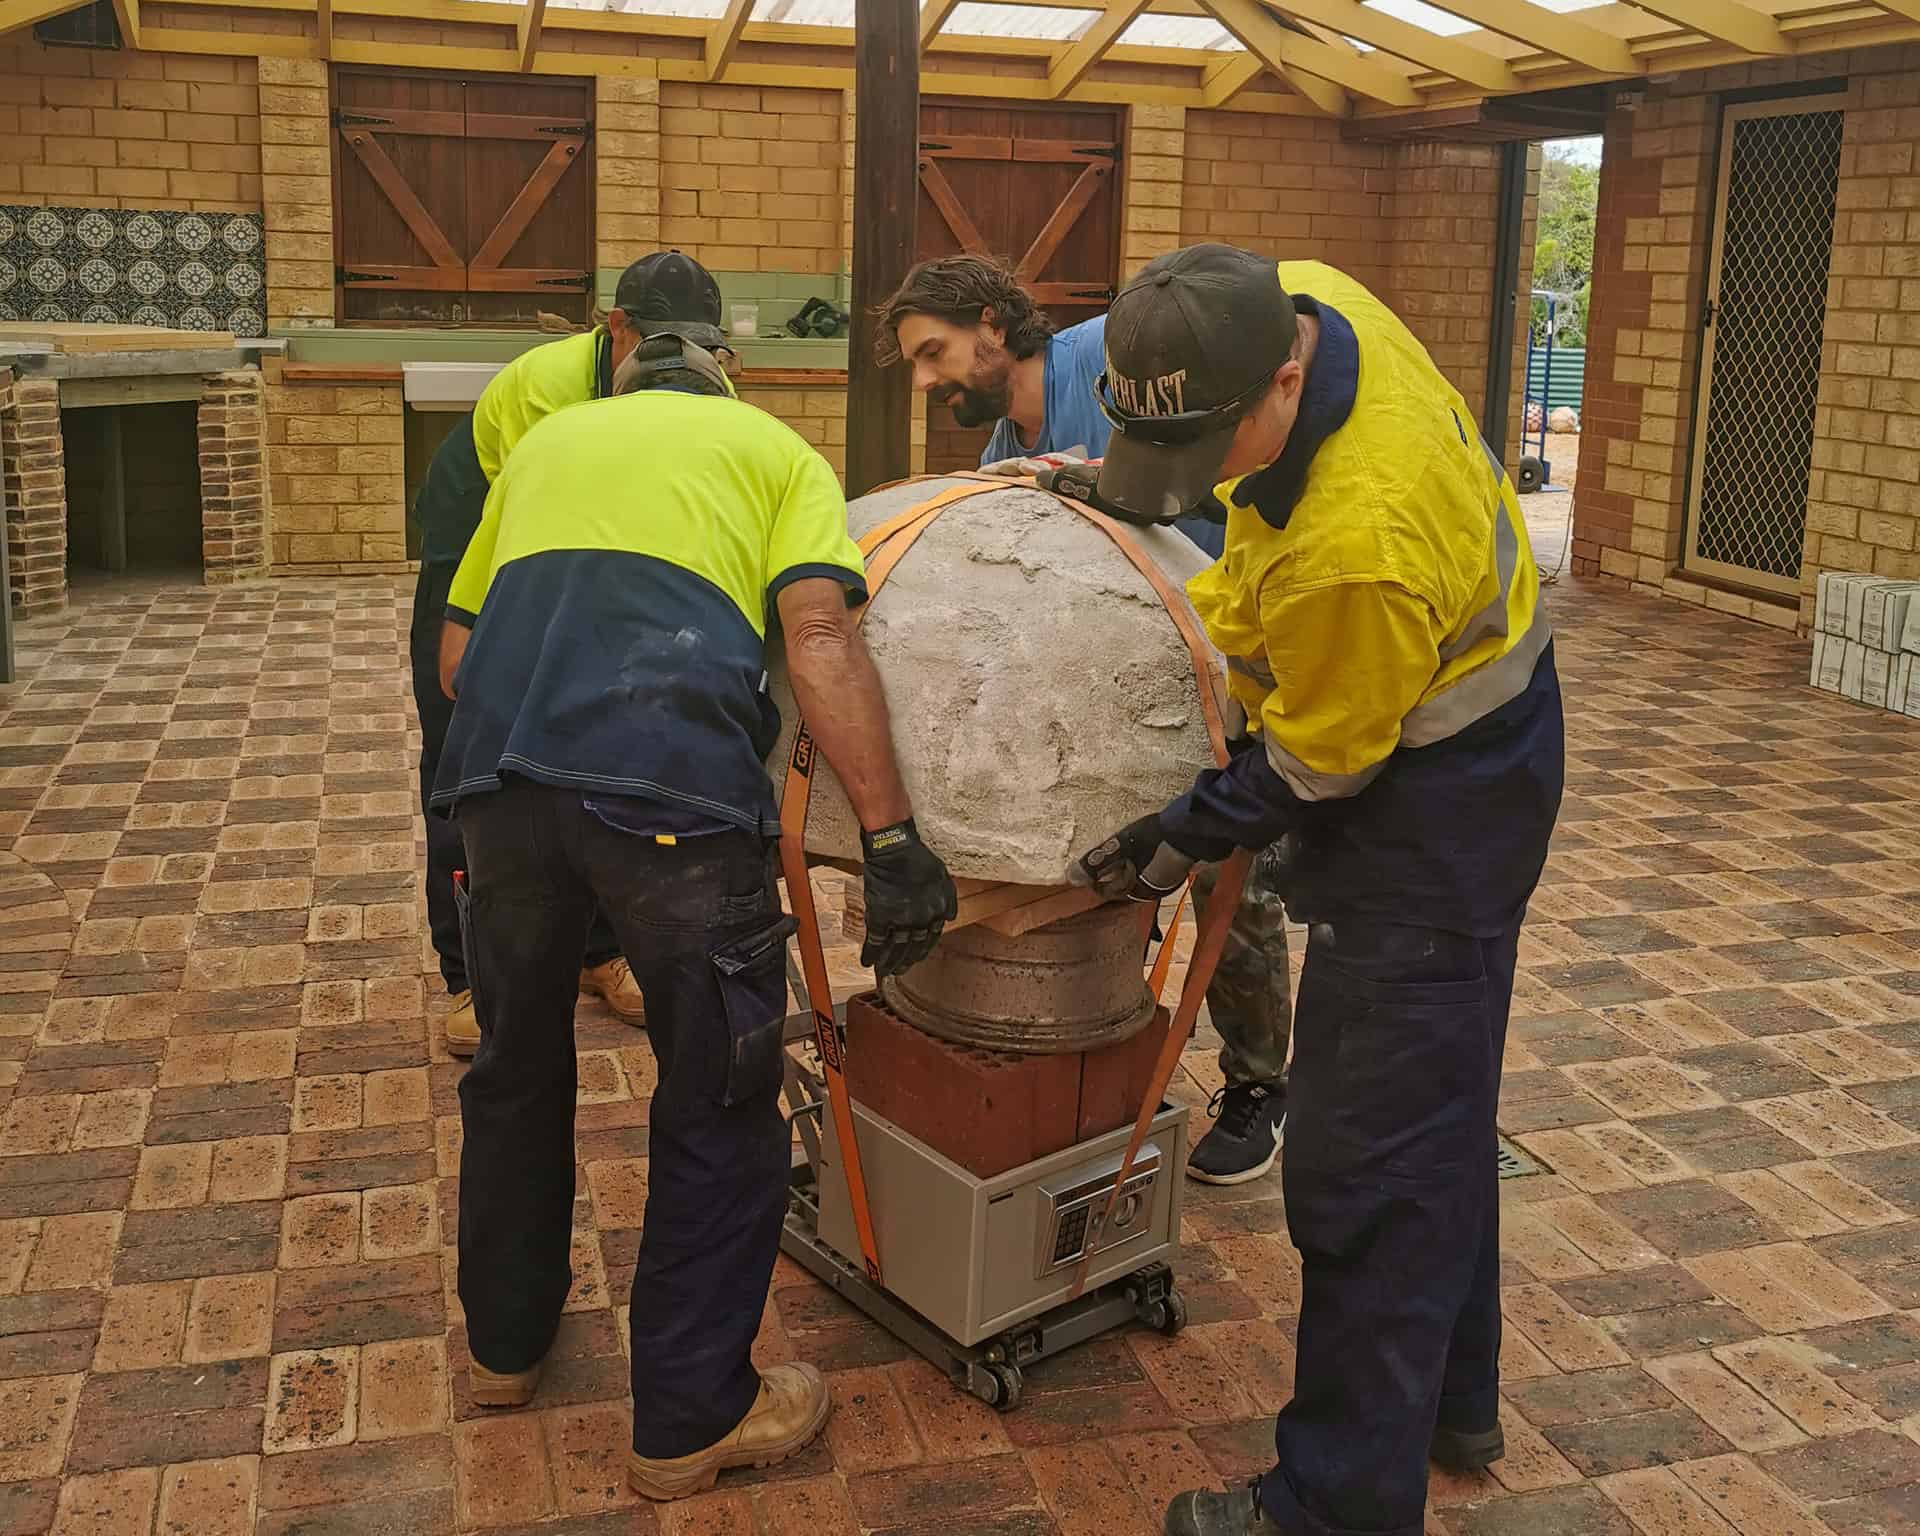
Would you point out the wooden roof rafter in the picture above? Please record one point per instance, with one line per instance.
(1339, 57)
(724, 37)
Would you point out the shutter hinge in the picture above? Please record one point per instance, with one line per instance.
(1109, 152)
(1104, 295)
(584, 282)
(345, 275)
(927, 145)
(1706, 315)
(565, 130)
(345, 119)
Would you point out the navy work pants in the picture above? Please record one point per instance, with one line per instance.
(443, 838)
(1392, 1199)
(701, 924)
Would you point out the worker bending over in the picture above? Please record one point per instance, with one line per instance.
(606, 637)
(665, 286)
(979, 342)
(1381, 615)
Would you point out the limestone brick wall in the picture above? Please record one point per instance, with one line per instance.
(1863, 509)
(626, 168)
(1651, 257)
(751, 178)
(1415, 222)
(1153, 168)
(33, 475)
(337, 475)
(118, 129)
(1290, 187)
(817, 409)
(297, 191)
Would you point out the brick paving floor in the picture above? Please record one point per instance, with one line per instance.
(227, 1136)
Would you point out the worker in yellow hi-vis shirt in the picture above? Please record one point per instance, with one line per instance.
(663, 287)
(607, 751)
(1382, 621)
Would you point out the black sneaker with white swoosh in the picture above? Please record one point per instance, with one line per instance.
(1251, 1120)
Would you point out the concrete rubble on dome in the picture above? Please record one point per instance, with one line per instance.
(1041, 695)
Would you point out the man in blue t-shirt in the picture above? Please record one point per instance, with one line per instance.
(979, 343)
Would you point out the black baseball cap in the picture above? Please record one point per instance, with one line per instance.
(668, 291)
(1190, 342)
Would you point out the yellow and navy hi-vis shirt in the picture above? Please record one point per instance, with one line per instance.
(1381, 616)
(535, 384)
(538, 382)
(619, 588)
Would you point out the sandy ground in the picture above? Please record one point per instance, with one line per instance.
(1549, 513)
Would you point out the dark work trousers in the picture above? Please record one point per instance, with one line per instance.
(444, 853)
(700, 921)
(1392, 1195)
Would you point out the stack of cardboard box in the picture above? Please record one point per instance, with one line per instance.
(1866, 640)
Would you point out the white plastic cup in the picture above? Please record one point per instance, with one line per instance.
(746, 319)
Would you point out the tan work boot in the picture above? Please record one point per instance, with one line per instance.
(502, 1389)
(614, 985)
(462, 1028)
(792, 1406)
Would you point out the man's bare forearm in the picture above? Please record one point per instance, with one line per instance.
(841, 699)
(453, 645)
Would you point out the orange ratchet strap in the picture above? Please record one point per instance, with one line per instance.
(883, 546)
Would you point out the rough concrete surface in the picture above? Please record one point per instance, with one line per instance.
(1041, 695)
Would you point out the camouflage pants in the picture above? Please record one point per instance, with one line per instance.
(1248, 997)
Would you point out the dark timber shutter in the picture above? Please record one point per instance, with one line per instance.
(1037, 186)
(462, 199)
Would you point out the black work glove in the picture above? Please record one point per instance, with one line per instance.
(1137, 862)
(910, 898)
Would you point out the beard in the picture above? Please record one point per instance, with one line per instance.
(973, 407)
(987, 394)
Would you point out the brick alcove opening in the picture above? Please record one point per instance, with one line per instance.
(201, 459)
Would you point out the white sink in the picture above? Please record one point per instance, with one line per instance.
(445, 386)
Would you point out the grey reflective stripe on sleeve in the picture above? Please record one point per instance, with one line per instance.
(1492, 619)
(1254, 667)
(1311, 783)
(1480, 692)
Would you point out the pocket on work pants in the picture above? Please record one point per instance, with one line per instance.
(1392, 1060)
(752, 974)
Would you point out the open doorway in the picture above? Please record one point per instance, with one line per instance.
(133, 492)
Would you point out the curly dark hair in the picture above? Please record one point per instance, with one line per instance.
(959, 290)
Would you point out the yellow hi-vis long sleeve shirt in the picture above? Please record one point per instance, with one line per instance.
(1378, 595)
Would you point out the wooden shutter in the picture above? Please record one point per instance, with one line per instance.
(462, 199)
(1037, 186)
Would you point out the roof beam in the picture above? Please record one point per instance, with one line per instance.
(1549, 31)
(24, 13)
(1223, 83)
(126, 14)
(1416, 45)
(323, 39)
(1070, 65)
(1288, 53)
(725, 36)
(933, 16)
(1225, 80)
(533, 16)
(1909, 9)
(1725, 21)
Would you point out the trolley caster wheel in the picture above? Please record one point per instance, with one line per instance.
(1532, 473)
(1004, 1386)
(1168, 1315)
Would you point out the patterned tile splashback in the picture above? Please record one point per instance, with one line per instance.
(127, 266)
